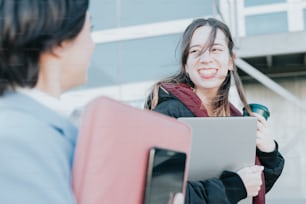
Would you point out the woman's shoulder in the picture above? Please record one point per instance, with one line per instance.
(22, 115)
(171, 105)
(18, 123)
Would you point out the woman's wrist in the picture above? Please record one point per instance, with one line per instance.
(234, 186)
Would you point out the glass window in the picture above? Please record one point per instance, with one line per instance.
(266, 23)
(149, 58)
(103, 14)
(120, 13)
(261, 2)
(141, 12)
(103, 70)
(304, 19)
(134, 61)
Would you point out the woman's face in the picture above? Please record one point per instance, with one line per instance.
(77, 57)
(208, 69)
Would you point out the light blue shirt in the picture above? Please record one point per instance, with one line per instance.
(36, 152)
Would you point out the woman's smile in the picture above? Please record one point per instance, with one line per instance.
(207, 73)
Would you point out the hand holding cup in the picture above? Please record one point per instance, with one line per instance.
(264, 140)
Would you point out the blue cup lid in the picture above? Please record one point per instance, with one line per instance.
(258, 108)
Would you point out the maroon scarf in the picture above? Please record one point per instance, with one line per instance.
(186, 95)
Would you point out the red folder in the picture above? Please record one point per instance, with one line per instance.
(112, 151)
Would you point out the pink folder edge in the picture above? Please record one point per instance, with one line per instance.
(112, 150)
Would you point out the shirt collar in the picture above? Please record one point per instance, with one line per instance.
(47, 100)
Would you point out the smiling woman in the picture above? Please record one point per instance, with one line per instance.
(201, 89)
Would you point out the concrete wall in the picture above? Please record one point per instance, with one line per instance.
(288, 125)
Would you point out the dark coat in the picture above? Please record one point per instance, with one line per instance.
(229, 188)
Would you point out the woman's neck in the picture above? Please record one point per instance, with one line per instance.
(49, 79)
(207, 97)
(49, 89)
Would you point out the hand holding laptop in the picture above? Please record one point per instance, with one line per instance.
(251, 177)
(232, 146)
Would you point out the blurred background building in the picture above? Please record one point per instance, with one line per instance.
(138, 43)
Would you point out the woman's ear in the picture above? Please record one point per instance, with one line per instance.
(186, 69)
(231, 62)
(56, 51)
(60, 49)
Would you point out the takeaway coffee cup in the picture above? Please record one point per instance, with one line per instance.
(259, 109)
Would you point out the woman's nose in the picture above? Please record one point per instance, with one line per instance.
(205, 56)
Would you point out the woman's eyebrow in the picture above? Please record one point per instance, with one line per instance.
(214, 44)
(196, 45)
(218, 44)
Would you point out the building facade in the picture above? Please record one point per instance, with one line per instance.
(137, 44)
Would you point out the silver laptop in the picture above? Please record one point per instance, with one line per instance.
(221, 143)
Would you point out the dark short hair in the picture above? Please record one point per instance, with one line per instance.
(31, 27)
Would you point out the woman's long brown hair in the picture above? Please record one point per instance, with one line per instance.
(220, 103)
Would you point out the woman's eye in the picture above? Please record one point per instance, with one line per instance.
(216, 50)
(194, 51)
